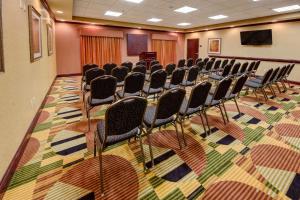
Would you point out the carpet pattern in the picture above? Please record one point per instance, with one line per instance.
(255, 156)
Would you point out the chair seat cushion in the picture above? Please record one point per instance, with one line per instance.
(209, 102)
(113, 139)
(149, 118)
(256, 80)
(229, 95)
(204, 71)
(252, 84)
(170, 86)
(216, 77)
(187, 83)
(121, 95)
(189, 111)
(97, 102)
(152, 90)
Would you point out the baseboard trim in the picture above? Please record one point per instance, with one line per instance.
(17, 157)
(67, 75)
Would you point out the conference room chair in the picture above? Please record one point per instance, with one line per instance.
(206, 60)
(153, 69)
(90, 75)
(163, 113)
(198, 60)
(213, 59)
(279, 78)
(141, 62)
(190, 62)
(288, 74)
(224, 63)
(156, 83)
(154, 62)
(207, 68)
(261, 85)
(195, 104)
(234, 93)
(84, 69)
(103, 91)
(120, 73)
(176, 79)
(140, 68)
(272, 80)
(169, 69)
(257, 64)
(191, 77)
(243, 69)
(181, 63)
(123, 121)
(133, 85)
(216, 66)
(224, 74)
(108, 67)
(235, 69)
(232, 62)
(128, 64)
(217, 98)
(250, 68)
(200, 65)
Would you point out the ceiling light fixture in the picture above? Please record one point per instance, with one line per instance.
(287, 8)
(59, 12)
(218, 17)
(113, 13)
(185, 9)
(134, 1)
(184, 24)
(154, 20)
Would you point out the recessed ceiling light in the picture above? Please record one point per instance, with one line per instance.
(218, 17)
(185, 9)
(59, 12)
(287, 8)
(154, 20)
(256, 0)
(135, 1)
(184, 24)
(113, 13)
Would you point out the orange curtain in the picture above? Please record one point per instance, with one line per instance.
(100, 50)
(166, 51)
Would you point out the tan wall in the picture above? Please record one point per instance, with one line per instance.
(68, 45)
(24, 84)
(286, 44)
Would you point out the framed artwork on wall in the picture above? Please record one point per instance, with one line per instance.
(214, 45)
(1, 41)
(35, 34)
(136, 44)
(50, 38)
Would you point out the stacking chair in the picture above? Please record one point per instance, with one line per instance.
(207, 69)
(84, 69)
(140, 68)
(154, 62)
(224, 63)
(273, 79)
(232, 62)
(243, 69)
(198, 60)
(120, 73)
(205, 60)
(235, 69)
(123, 121)
(191, 77)
(195, 103)
(250, 68)
(157, 83)
(200, 65)
(165, 112)
(89, 76)
(216, 66)
(169, 69)
(190, 62)
(234, 93)
(224, 74)
(288, 74)
(279, 78)
(153, 69)
(261, 85)
(213, 59)
(176, 79)
(102, 92)
(141, 62)
(129, 65)
(108, 67)
(181, 63)
(133, 85)
(257, 63)
(218, 97)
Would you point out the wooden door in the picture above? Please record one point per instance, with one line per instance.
(192, 48)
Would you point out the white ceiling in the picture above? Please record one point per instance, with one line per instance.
(164, 9)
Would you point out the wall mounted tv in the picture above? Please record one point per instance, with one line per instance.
(261, 37)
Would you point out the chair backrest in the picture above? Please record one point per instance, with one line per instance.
(232, 62)
(244, 67)
(169, 103)
(239, 84)
(198, 60)
(256, 65)
(193, 74)
(217, 64)
(92, 74)
(108, 67)
(154, 62)
(281, 73)
(134, 82)
(213, 59)
(120, 73)
(290, 69)
(181, 63)
(155, 68)
(199, 95)
(226, 70)
(103, 87)
(129, 65)
(200, 65)
(88, 67)
(224, 63)
(209, 65)
(140, 68)
(250, 68)
(170, 68)
(125, 115)
(158, 79)
(205, 60)
(141, 62)
(222, 89)
(274, 75)
(177, 76)
(235, 69)
(190, 62)
(266, 76)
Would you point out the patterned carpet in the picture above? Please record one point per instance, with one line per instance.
(255, 156)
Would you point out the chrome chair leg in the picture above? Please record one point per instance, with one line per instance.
(265, 94)
(220, 107)
(177, 133)
(101, 171)
(95, 144)
(201, 117)
(150, 146)
(278, 87)
(225, 111)
(142, 150)
(206, 118)
(237, 106)
(182, 131)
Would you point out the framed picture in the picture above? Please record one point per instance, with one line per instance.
(214, 46)
(50, 39)
(35, 34)
(136, 44)
(1, 41)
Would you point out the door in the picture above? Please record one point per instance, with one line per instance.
(192, 48)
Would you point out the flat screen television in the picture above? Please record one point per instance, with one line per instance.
(261, 37)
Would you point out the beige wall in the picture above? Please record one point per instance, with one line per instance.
(286, 44)
(24, 84)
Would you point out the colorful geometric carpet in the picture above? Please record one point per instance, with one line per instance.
(255, 156)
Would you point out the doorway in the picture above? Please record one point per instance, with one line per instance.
(192, 48)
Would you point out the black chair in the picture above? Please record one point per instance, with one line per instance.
(89, 76)
(169, 69)
(140, 68)
(257, 63)
(235, 69)
(190, 62)
(153, 69)
(181, 63)
(198, 60)
(108, 67)
(207, 69)
(141, 62)
(217, 65)
(250, 68)
(236, 89)
(102, 92)
(213, 59)
(200, 65)
(205, 60)
(154, 62)
(288, 74)
(232, 62)
(224, 74)
(133, 85)
(260, 85)
(84, 69)
(191, 77)
(123, 121)
(243, 69)
(165, 112)
(120, 73)
(195, 104)
(224, 63)
(176, 79)
(157, 83)
(218, 97)
(128, 64)
(273, 79)
(279, 78)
